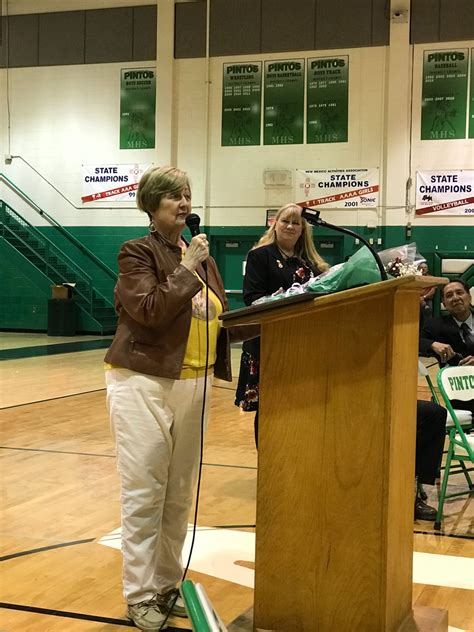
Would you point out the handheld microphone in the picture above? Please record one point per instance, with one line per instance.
(312, 216)
(192, 222)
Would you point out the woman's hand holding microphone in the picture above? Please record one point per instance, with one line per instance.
(196, 252)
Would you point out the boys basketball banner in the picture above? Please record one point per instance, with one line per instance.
(110, 183)
(445, 192)
(337, 188)
(284, 102)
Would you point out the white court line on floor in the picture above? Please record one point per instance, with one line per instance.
(216, 552)
(443, 570)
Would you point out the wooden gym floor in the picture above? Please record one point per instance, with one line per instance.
(61, 568)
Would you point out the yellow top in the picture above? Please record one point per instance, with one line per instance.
(194, 362)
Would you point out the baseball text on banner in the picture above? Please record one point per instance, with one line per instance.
(327, 102)
(110, 183)
(444, 97)
(337, 188)
(137, 108)
(241, 97)
(284, 102)
(445, 192)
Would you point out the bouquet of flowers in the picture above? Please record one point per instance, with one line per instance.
(401, 260)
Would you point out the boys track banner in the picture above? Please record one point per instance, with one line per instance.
(110, 183)
(327, 103)
(337, 188)
(445, 192)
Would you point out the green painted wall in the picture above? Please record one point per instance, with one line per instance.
(23, 292)
(24, 305)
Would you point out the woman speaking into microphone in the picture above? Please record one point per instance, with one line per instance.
(156, 373)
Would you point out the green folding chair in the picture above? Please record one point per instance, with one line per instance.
(464, 416)
(456, 383)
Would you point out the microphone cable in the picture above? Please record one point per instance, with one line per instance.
(201, 452)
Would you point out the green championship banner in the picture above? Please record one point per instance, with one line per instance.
(444, 96)
(284, 102)
(327, 100)
(241, 109)
(471, 98)
(137, 108)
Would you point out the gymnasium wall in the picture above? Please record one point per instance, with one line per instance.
(54, 119)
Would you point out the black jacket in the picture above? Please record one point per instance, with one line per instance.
(443, 329)
(266, 272)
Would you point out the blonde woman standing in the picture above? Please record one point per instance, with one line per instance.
(285, 254)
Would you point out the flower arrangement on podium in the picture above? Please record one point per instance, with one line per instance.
(401, 260)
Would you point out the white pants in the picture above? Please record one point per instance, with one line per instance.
(156, 426)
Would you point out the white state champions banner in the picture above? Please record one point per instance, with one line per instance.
(337, 188)
(111, 183)
(445, 192)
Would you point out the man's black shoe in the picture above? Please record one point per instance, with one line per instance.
(424, 511)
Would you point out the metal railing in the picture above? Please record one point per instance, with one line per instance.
(48, 250)
(69, 236)
(11, 222)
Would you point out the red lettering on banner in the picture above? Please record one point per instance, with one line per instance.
(444, 207)
(339, 196)
(109, 193)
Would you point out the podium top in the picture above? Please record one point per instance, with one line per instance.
(305, 303)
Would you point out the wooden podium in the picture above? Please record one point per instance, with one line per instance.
(338, 381)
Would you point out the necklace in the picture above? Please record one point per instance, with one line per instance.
(284, 254)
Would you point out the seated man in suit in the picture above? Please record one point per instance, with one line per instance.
(430, 434)
(451, 338)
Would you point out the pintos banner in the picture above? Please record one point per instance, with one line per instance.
(337, 188)
(111, 183)
(445, 192)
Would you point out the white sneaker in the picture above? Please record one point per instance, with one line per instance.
(146, 615)
(172, 599)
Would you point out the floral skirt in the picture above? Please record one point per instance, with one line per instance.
(246, 395)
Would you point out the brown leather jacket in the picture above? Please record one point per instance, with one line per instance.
(153, 300)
